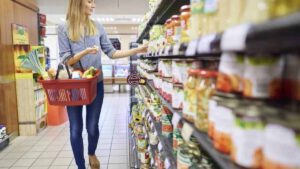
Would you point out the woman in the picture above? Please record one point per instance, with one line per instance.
(80, 37)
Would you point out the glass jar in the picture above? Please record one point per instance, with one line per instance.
(247, 137)
(281, 145)
(231, 71)
(205, 90)
(197, 10)
(190, 96)
(185, 14)
(263, 77)
(212, 110)
(176, 28)
(224, 122)
(169, 31)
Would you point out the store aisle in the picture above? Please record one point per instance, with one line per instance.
(51, 148)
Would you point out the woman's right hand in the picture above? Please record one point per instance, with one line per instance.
(92, 50)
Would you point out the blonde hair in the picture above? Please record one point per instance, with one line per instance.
(78, 22)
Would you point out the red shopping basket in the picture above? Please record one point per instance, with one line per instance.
(71, 92)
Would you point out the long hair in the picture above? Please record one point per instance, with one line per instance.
(79, 24)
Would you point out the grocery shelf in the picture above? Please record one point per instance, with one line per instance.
(4, 143)
(223, 161)
(166, 144)
(275, 36)
(164, 11)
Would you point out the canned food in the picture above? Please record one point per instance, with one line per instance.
(165, 68)
(205, 90)
(176, 71)
(177, 97)
(224, 122)
(263, 77)
(212, 108)
(167, 89)
(247, 137)
(230, 73)
(281, 145)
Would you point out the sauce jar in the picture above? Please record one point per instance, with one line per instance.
(205, 89)
(247, 137)
(185, 14)
(224, 123)
(176, 28)
(169, 31)
(212, 108)
(263, 77)
(231, 71)
(281, 145)
(190, 96)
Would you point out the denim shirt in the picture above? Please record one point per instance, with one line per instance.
(68, 48)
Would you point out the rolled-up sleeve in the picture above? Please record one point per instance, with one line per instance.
(63, 42)
(105, 43)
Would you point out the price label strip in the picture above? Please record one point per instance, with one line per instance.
(187, 131)
(204, 43)
(167, 49)
(175, 120)
(234, 39)
(192, 47)
(167, 163)
(176, 49)
(159, 146)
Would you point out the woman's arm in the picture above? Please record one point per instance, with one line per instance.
(126, 53)
(81, 54)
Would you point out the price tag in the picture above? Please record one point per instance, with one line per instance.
(167, 163)
(235, 38)
(149, 148)
(176, 49)
(192, 47)
(167, 49)
(187, 131)
(161, 51)
(176, 118)
(155, 133)
(159, 147)
(204, 44)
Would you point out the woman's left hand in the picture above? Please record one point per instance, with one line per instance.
(142, 49)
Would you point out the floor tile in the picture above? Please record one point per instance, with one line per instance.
(38, 148)
(119, 146)
(117, 159)
(24, 163)
(49, 155)
(59, 167)
(39, 167)
(44, 162)
(12, 156)
(118, 152)
(31, 155)
(117, 166)
(7, 163)
(104, 153)
(64, 154)
(103, 160)
(62, 161)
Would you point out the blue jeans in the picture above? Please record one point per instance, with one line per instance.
(76, 126)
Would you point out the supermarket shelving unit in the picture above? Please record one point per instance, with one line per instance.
(164, 11)
(276, 36)
(4, 143)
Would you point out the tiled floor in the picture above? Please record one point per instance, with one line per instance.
(51, 148)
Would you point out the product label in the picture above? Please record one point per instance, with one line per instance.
(211, 6)
(177, 97)
(197, 6)
(224, 120)
(247, 146)
(281, 146)
(262, 78)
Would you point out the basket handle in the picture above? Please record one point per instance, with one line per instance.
(64, 63)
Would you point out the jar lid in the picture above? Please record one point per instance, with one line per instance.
(175, 17)
(208, 74)
(193, 72)
(168, 21)
(185, 8)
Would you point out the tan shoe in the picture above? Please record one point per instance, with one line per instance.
(94, 162)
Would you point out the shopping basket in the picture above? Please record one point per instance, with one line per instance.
(70, 92)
